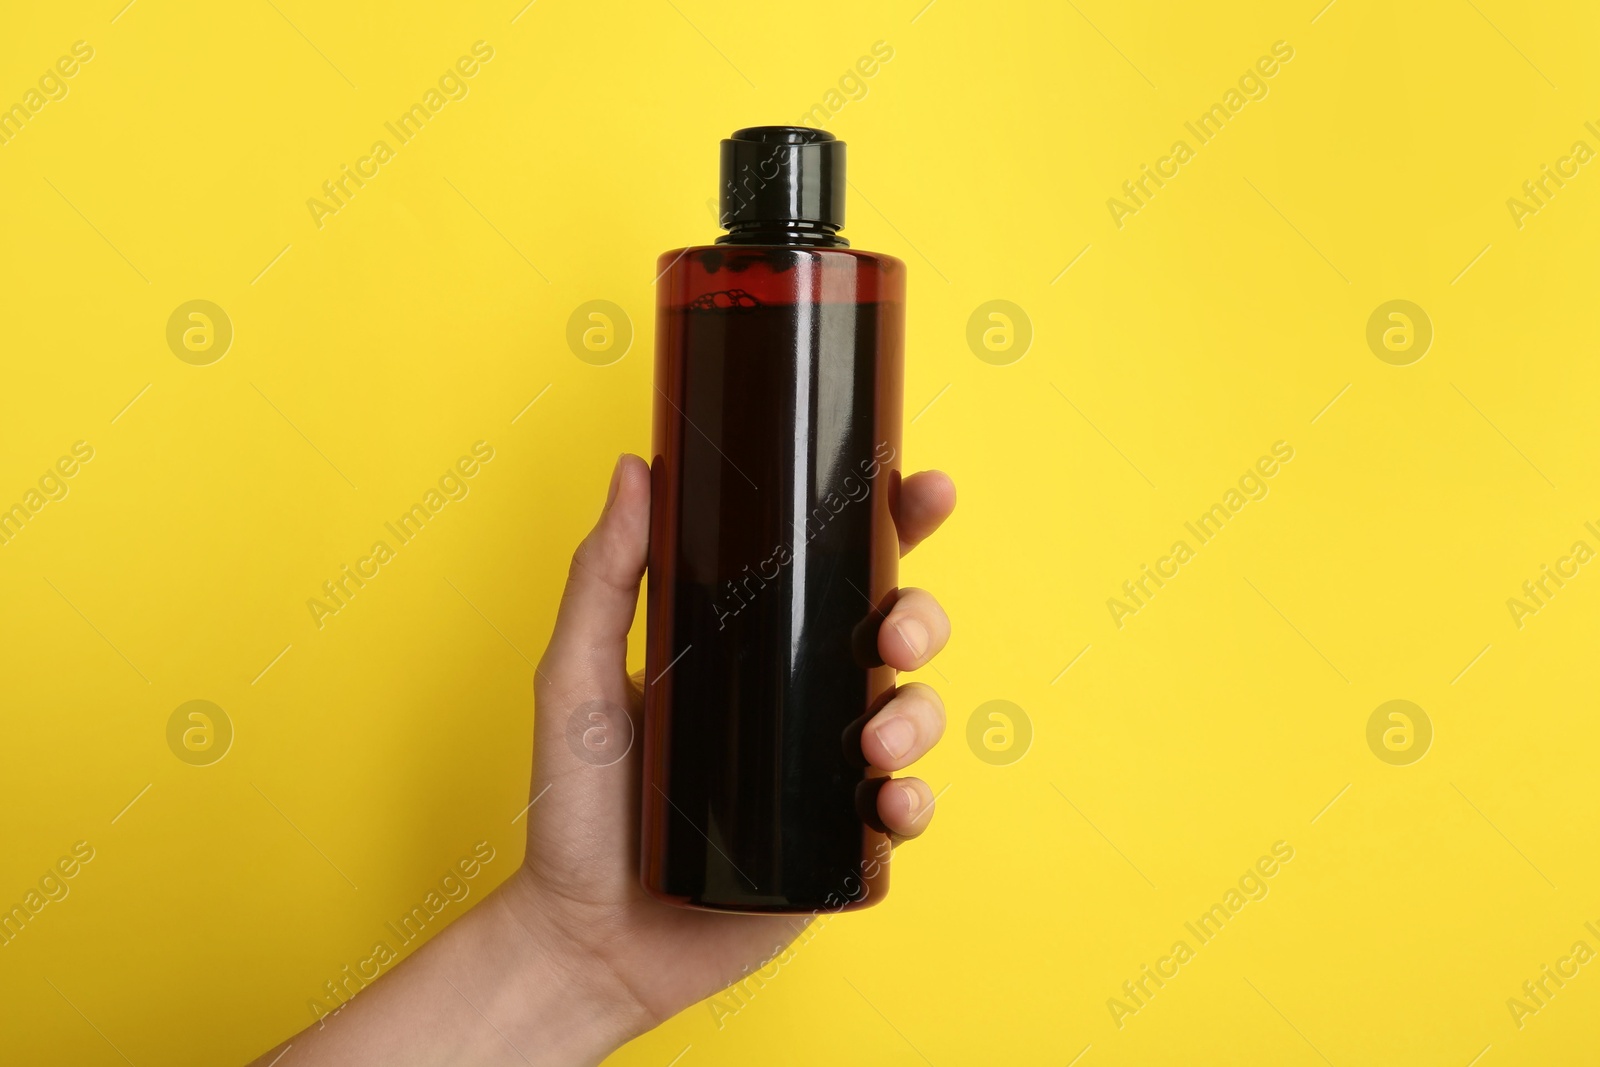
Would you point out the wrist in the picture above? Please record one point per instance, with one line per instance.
(561, 1004)
(503, 974)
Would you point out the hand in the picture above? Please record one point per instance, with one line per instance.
(570, 957)
(581, 875)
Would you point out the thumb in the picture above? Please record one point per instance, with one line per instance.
(583, 728)
(587, 655)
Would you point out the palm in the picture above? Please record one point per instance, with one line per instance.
(581, 873)
(583, 862)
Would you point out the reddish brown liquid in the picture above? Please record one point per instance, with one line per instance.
(773, 559)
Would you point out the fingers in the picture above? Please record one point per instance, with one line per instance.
(590, 641)
(920, 503)
(897, 736)
(905, 729)
(905, 807)
(915, 630)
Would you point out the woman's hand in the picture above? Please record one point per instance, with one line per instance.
(571, 957)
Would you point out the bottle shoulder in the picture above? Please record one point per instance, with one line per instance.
(746, 275)
(741, 256)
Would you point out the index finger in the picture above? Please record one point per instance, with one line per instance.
(920, 503)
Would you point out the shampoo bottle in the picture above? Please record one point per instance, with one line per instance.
(773, 550)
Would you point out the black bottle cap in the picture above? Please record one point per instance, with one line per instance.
(782, 184)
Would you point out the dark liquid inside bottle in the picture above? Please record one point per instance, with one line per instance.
(772, 561)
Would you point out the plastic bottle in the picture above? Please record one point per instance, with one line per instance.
(773, 551)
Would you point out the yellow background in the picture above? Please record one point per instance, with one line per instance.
(429, 312)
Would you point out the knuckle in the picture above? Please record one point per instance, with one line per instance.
(921, 604)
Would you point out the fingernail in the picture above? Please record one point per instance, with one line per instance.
(914, 807)
(896, 736)
(616, 481)
(915, 635)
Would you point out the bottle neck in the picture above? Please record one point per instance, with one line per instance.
(783, 232)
